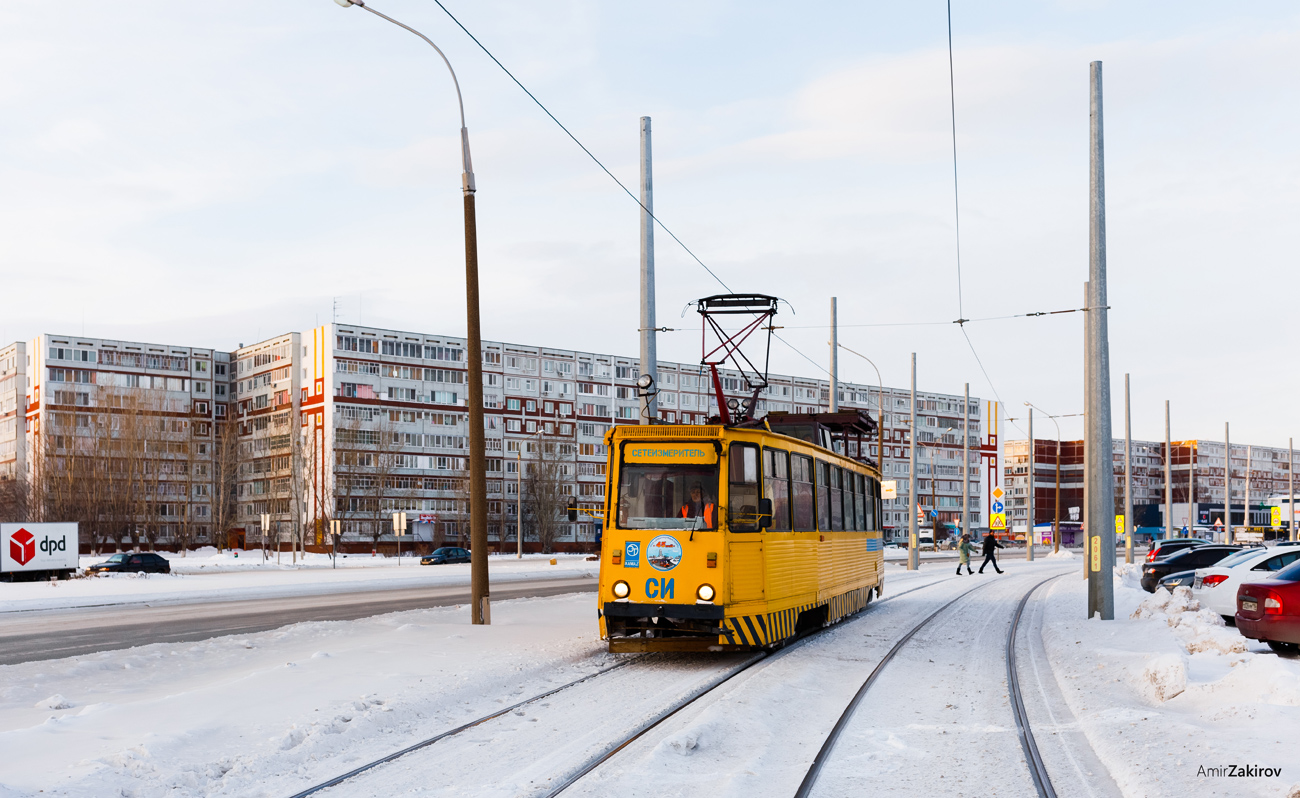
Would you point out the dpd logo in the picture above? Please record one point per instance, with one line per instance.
(22, 546)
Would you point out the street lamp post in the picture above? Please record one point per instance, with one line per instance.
(479, 606)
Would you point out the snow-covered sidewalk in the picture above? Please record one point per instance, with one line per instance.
(1167, 695)
(209, 576)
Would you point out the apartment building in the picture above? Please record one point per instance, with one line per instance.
(382, 427)
(118, 435)
(1197, 474)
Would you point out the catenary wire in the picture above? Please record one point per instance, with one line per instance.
(956, 205)
(583, 147)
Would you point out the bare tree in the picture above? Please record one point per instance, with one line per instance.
(547, 486)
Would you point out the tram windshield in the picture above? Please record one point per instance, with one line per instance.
(668, 497)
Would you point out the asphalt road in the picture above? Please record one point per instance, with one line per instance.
(52, 634)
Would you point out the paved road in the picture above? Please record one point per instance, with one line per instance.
(51, 634)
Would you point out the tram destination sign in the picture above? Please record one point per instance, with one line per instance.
(677, 453)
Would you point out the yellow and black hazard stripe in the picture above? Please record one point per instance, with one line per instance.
(762, 630)
(746, 630)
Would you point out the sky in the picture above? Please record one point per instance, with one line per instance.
(211, 174)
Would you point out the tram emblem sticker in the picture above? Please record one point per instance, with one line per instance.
(665, 553)
(632, 554)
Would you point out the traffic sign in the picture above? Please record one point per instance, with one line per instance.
(1277, 516)
(889, 489)
(1119, 525)
(998, 521)
(998, 494)
(998, 508)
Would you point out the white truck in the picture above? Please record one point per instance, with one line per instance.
(38, 551)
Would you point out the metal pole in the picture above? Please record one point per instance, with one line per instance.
(1191, 489)
(835, 360)
(1128, 476)
(1290, 484)
(1056, 523)
(1101, 527)
(1227, 485)
(1169, 478)
(913, 556)
(649, 352)
(1246, 516)
(1029, 514)
(965, 464)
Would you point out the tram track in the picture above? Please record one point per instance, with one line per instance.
(1037, 769)
(613, 749)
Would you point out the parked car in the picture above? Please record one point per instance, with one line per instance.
(1269, 610)
(1165, 548)
(445, 555)
(1216, 587)
(127, 562)
(1180, 579)
(1189, 559)
(1288, 543)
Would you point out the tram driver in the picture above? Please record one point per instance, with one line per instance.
(699, 506)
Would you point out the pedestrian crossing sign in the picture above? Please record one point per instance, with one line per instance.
(1277, 516)
(998, 521)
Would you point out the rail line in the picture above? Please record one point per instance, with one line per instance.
(1037, 769)
(610, 751)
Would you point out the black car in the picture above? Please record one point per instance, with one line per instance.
(126, 562)
(1167, 548)
(444, 555)
(1188, 559)
(1180, 579)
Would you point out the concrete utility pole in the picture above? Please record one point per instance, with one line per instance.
(1290, 484)
(1128, 477)
(1227, 485)
(1087, 435)
(1191, 489)
(965, 464)
(835, 360)
(649, 353)
(1029, 516)
(913, 556)
(1101, 478)
(1169, 478)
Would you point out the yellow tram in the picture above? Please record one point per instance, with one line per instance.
(722, 537)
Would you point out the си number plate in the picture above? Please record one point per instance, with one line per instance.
(1249, 604)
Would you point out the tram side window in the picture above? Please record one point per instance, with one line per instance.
(852, 500)
(823, 496)
(776, 486)
(837, 499)
(802, 497)
(742, 499)
(863, 503)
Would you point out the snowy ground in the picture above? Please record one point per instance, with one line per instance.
(272, 713)
(1162, 695)
(209, 576)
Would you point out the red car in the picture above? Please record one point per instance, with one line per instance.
(1269, 610)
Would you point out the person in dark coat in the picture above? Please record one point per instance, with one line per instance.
(991, 545)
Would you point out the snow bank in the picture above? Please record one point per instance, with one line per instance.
(1163, 677)
(1199, 629)
(1166, 689)
(1063, 554)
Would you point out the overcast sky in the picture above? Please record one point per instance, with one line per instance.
(216, 173)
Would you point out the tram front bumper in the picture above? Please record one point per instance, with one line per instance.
(663, 622)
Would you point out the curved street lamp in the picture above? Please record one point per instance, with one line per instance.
(479, 606)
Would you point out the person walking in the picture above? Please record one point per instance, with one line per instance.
(963, 554)
(991, 545)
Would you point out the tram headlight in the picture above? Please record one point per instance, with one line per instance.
(705, 593)
(621, 590)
